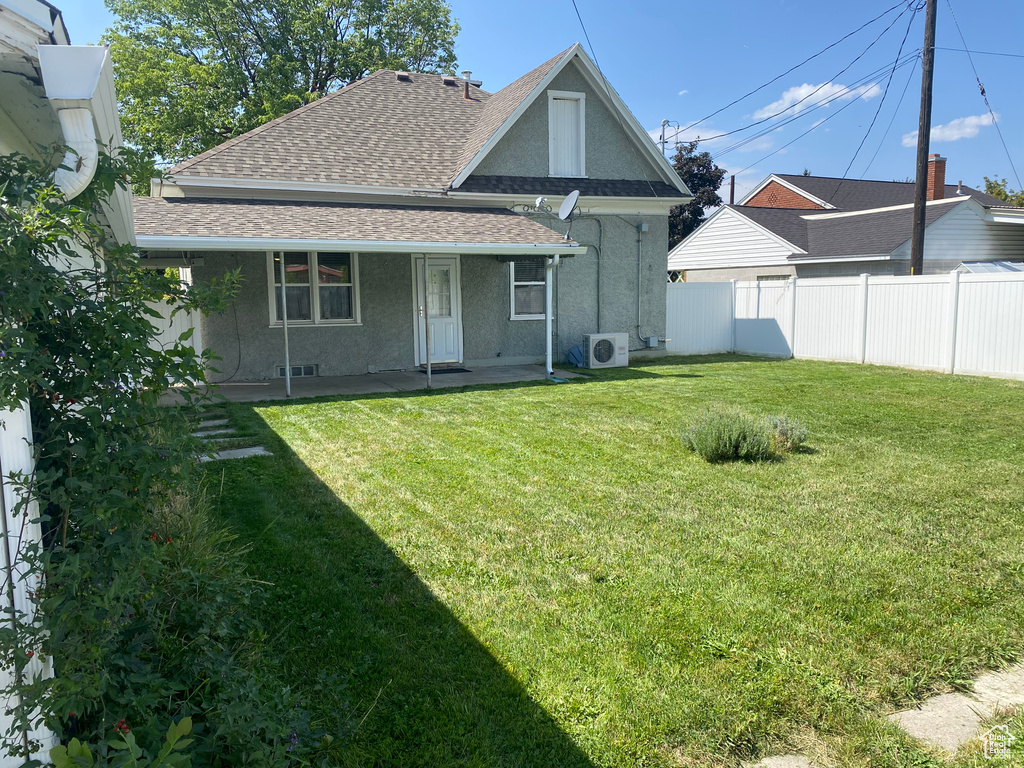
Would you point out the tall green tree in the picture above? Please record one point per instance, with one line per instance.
(703, 178)
(1001, 189)
(191, 74)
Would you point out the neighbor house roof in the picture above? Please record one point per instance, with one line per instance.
(861, 194)
(271, 224)
(787, 223)
(873, 233)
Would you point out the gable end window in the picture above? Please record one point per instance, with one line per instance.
(567, 151)
(321, 288)
(526, 280)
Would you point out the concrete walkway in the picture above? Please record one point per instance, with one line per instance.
(391, 381)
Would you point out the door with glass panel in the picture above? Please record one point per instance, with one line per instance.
(438, 300)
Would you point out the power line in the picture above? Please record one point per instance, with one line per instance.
(983, 94)
(791, 69)
(809, 95)
(893, 120)
(881, 101)
(845, 92)
(809, 130)
(981, 53)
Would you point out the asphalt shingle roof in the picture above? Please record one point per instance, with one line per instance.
(416, 131)
(784, 222)
(868, 234)
(213, 217)
(860, 194)
(379, 131)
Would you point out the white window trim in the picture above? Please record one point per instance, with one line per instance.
(582, 99)
(512, 293)
(275, 322)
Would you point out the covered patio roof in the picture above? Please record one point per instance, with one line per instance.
(214, 224)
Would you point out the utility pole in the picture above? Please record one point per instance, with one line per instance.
(664, 123)
(924, 129)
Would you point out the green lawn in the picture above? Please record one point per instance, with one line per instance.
(541, 575)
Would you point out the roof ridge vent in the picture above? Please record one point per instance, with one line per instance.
(403, 77)
(449, 81)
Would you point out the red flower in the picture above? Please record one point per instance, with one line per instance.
(30, 654)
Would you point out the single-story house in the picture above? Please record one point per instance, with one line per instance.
(405, 195)
(815, 226)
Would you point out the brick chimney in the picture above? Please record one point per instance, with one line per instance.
(936, 177)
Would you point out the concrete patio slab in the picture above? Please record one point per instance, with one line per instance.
(390, 381)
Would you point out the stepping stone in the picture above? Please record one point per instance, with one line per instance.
(212, 432)
(945, 721)
(235, 453)
(949, 720)
(781, 761)
(207, 423)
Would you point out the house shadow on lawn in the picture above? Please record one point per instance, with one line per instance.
(408, 683)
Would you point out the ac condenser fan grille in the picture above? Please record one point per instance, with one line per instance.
(603, 351)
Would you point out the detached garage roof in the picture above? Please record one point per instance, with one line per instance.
(195, 223)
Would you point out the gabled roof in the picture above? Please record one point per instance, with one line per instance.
(409, 131)
(524, 91)
(861, 194)
(500, 108)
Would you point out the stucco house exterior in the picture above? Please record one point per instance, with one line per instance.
(814, 226)
(406, 194)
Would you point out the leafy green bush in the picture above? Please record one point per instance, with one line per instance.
(729, 435)
(144, 606)
(719, 435)
(788, 434)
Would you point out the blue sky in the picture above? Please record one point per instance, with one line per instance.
(682, 61)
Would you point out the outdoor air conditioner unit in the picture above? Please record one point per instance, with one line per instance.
(605, 350)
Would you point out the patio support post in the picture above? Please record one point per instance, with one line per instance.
(284, 325)
(426, 311)
(550, 263)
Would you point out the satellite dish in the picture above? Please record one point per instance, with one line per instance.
(568, 205)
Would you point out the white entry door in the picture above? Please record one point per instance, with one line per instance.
(441, 300)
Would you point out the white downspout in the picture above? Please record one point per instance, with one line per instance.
(80, 162)
(551, 263)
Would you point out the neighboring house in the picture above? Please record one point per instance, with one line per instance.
(52, 94)
(813, 226)
(358, 188)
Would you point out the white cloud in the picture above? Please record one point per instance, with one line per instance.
(961, 128)
(683, 92)
(800, 97)
(818, 122)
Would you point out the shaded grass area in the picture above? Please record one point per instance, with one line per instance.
(543, 575)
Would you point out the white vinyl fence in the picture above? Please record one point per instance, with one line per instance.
(958, 323)
(171, 328)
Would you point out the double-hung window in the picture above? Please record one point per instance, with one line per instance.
(527, 284)
(321, 288)
(567, 150)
